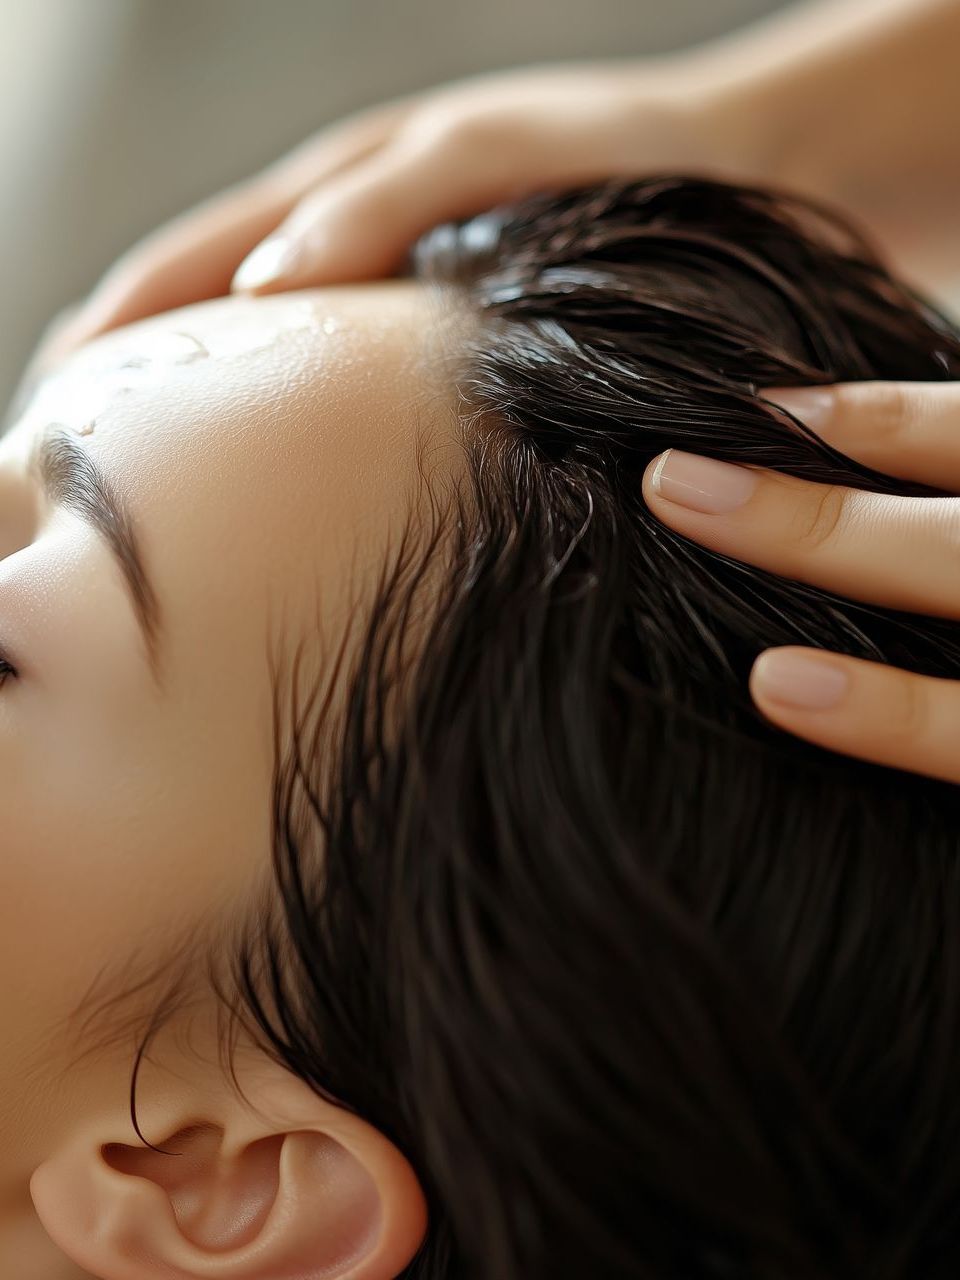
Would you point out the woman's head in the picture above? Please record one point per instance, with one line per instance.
(637, 985)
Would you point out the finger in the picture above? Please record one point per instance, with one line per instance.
(864, 709)
(195, 256)
(907, 429)
(902, 553)
(361, 225)
(190, 259)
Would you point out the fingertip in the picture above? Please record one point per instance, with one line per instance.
(318, 258)
(796, 679)
(274, 262)
(704, 486)
(650, 484)
(310, 254)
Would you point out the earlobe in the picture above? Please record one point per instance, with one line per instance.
(245, 1196)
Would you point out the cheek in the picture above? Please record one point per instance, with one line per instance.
(118, 834)
(113, 828)
(104, 874)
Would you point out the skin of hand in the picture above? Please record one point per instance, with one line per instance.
(347, 204)
(760, 105)
(899, 552)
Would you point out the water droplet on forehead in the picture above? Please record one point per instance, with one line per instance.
(197, 352)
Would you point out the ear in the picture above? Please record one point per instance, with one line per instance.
(304, 1190)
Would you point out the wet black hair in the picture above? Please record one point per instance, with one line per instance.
(644, 988)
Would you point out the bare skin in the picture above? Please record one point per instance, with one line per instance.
(902, 553)
(849, 100)
(265, 453)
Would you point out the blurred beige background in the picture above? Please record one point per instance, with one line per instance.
(115, 114)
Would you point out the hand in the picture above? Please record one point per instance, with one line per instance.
(760, 106)
(348, 203)
(902, 553)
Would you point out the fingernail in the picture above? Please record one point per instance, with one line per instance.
(272, 259)
(702, 484)
(812, 405)
(799, 679)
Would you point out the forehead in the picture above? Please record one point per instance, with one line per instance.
(267, 449)
(250, 369)
(317, 396)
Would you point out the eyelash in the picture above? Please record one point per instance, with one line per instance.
(6, 670)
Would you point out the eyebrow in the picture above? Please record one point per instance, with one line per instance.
(71, 478)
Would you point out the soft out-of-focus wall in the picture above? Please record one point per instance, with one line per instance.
(115, 114)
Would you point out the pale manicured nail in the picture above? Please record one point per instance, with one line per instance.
(799, 679)
(273, 259)
(702, 484)
(814, 406)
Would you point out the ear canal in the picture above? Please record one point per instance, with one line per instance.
(295, 1203)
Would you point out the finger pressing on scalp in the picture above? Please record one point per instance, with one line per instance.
(195, 255)
(906, 429)
(858, 708)
(899, 552)
(361, 225)
(355, 227)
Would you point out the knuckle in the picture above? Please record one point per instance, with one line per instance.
(819, 520)
(885, 410)
(452, 132)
